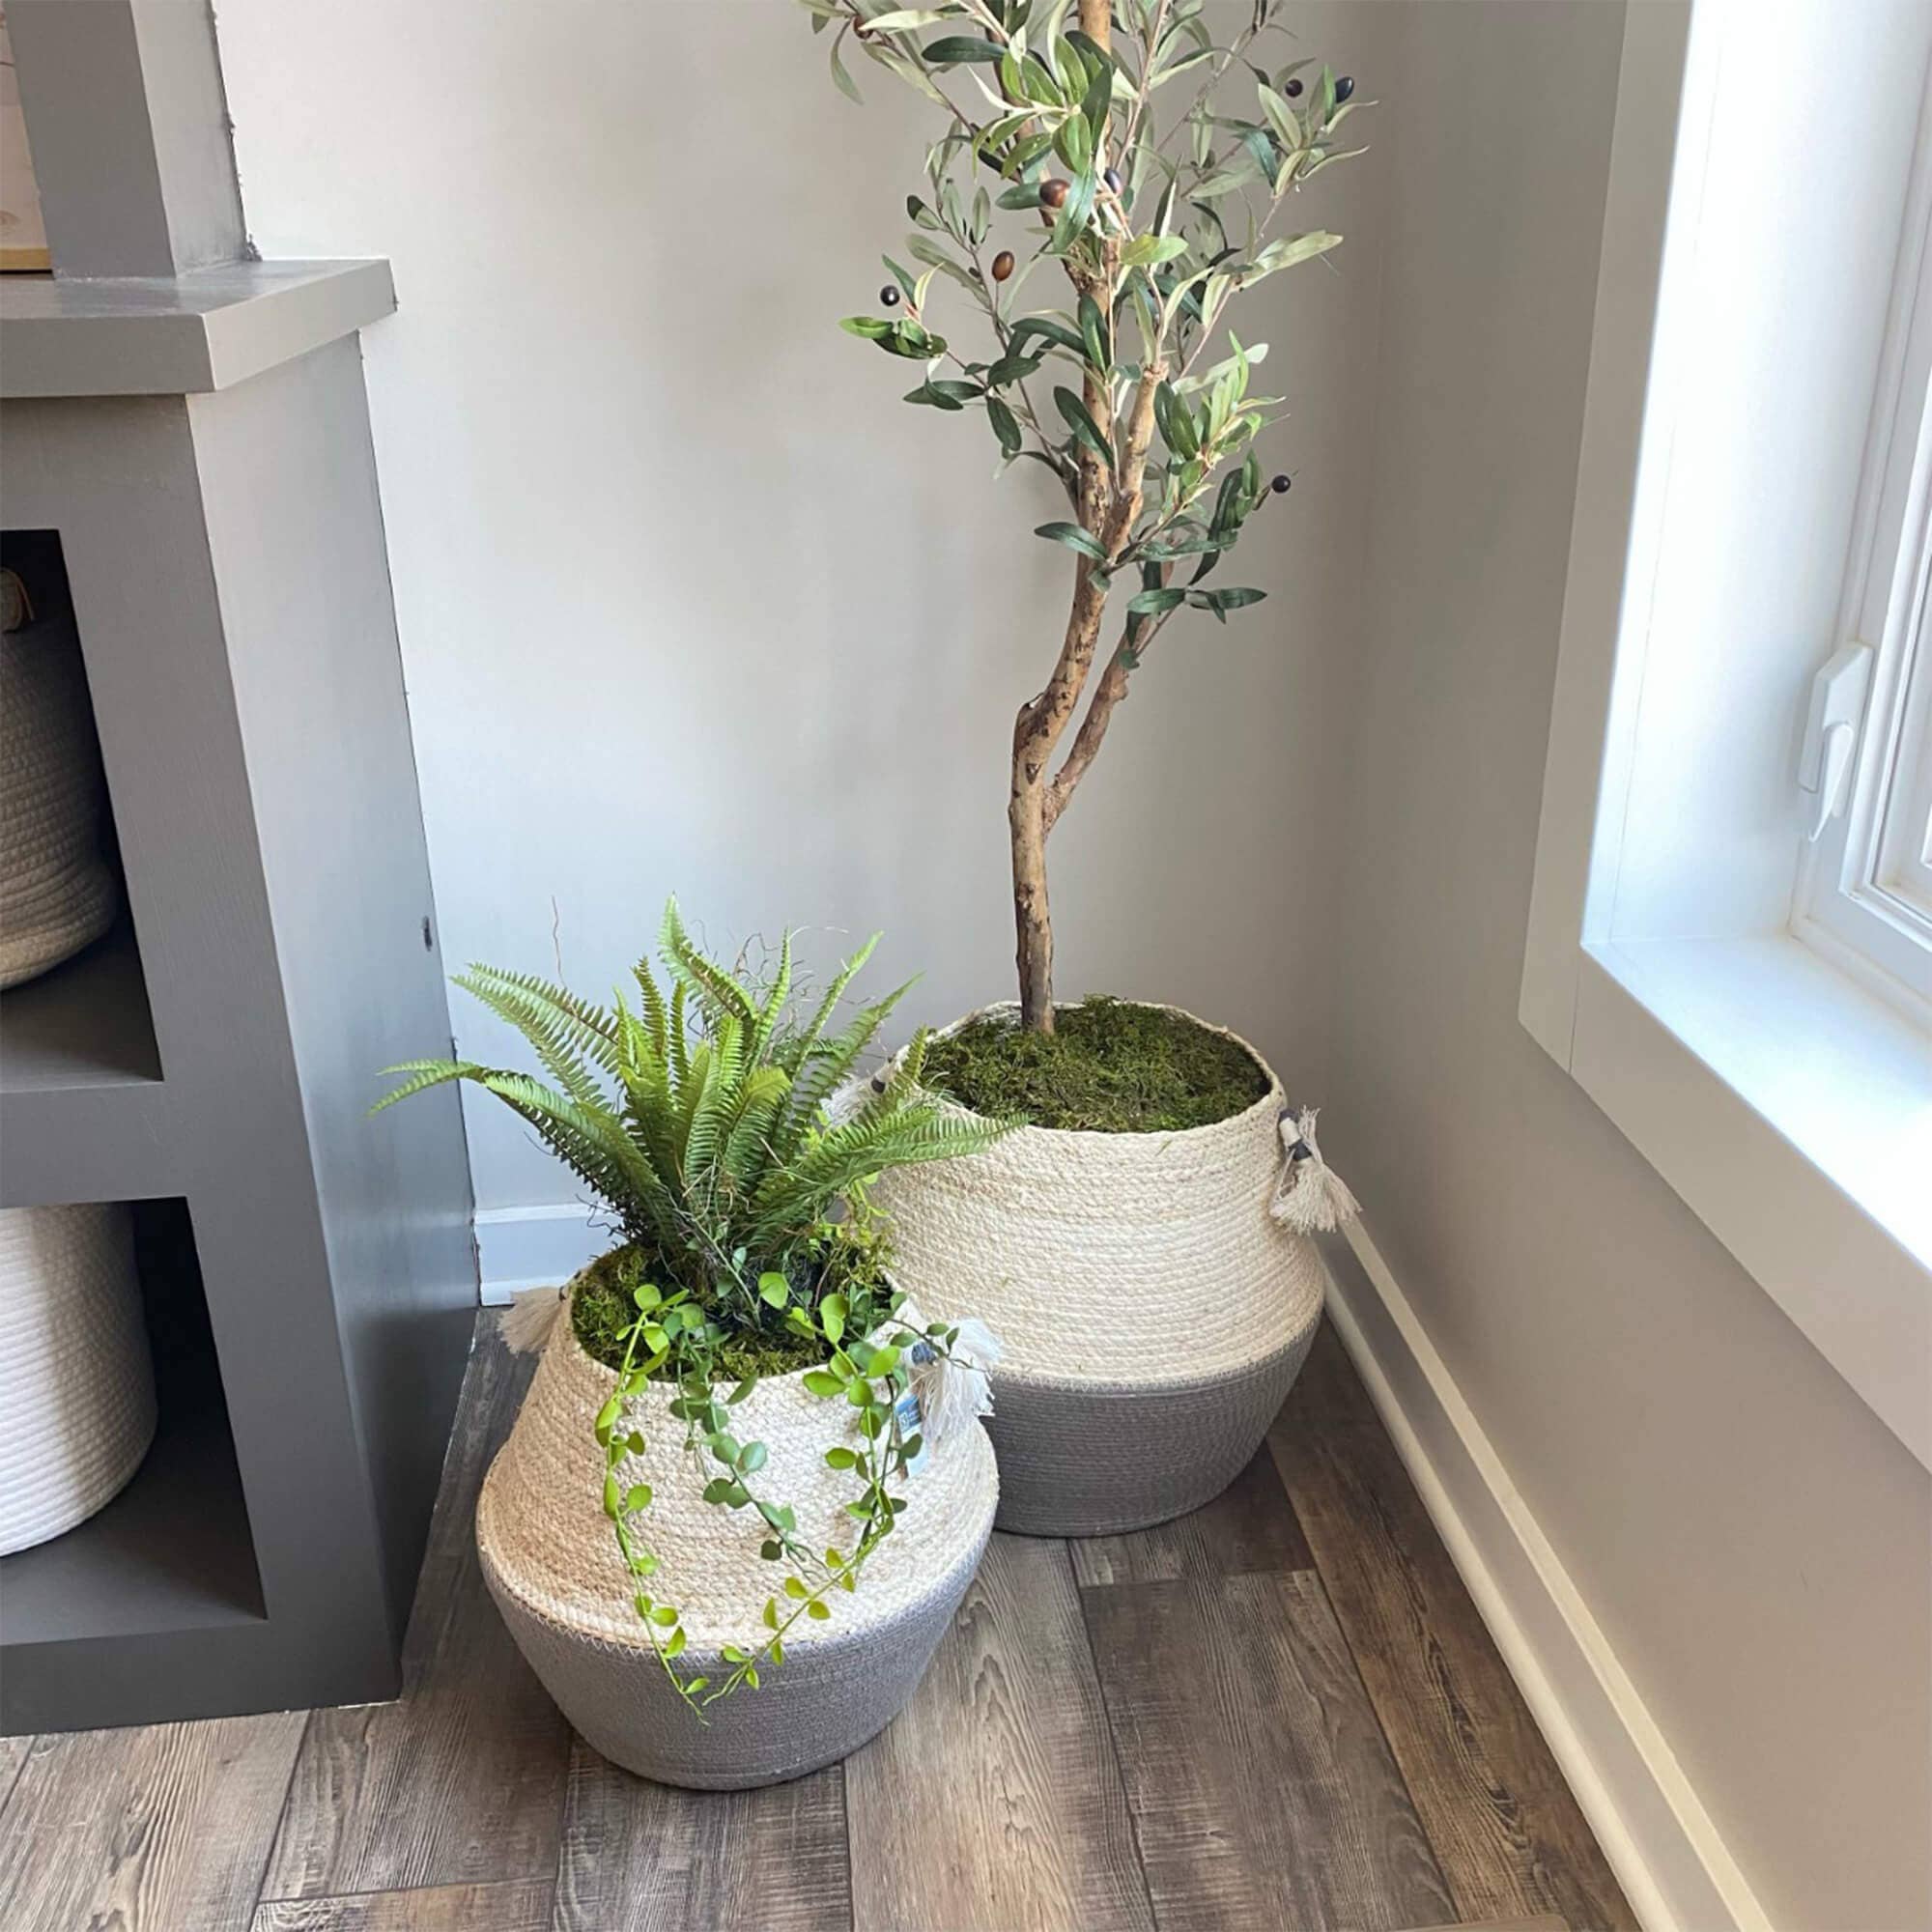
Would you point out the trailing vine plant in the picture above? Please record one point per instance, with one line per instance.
(703, 1121)
(1158, 221)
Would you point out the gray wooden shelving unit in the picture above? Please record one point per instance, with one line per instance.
(194, 428)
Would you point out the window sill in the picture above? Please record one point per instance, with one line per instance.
(1792, 1111)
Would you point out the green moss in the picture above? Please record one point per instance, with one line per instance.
(601, 1310)
(1108, 1064)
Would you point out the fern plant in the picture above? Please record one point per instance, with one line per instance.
(702, 1115)
(698, 1115)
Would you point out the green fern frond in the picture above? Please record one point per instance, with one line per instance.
(423, 1075)
(717, 1101)
(791, 1047)
(773, 1009)
(688, 1098)
(677, 1039)
(551, 1033)
(715, 988)
(656, 1018)
(793, 1195)
(590, 1029)
(829, 1063)
(748, 1141)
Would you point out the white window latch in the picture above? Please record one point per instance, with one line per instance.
(1832, 735)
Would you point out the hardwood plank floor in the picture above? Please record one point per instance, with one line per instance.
(1510, 1837)
(522, 1905)
(642, 1857)
(160, 1829)
(13, 1755)
(1282, 1712)
(994, 1804)
(1263, 1791)
(463, 1780)
(1250, 1525)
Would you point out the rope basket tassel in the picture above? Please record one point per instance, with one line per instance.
(76, 1382)
(552, 1566)
(56, 892)
(1157, 1294)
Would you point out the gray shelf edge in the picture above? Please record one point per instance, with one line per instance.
(179, 336)
(105, 1143)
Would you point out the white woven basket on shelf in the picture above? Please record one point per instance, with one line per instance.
(1154, 1312)
(56, 892)
(77, 1385)
(552, 1564)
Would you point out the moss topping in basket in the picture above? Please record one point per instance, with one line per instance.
(1108, 1064)
(603, 1312)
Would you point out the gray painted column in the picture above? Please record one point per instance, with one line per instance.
(128, 125)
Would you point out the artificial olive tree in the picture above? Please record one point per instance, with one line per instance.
(1072, 121)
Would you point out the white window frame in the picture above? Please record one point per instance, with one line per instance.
(1787, 1103)
(1863, 896)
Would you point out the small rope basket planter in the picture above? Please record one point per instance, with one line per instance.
(1155, 1311)
(76, 1384)
(553, 1567)
(56, 892)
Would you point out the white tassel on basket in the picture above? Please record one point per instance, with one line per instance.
(526, 1324)
(953, 1390)
(1310, 1196)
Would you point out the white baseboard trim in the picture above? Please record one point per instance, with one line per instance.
(1660, 1840)
(535, 1247)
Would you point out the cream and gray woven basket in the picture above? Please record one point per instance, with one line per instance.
(77, 1385)
(1154, 1314)
(56, 892)
(551, 1565)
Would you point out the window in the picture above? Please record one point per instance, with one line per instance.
(1748, 1004)
(1865, 887)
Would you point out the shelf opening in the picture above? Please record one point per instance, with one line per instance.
(174, 1550)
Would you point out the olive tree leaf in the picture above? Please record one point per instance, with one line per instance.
(1045, 328)
(1151, 603)
(843, 80)
(1222, 600)
(1094, 336)
(1074, 538)
(1005, 425)
(1074, 212)
(1147, 251)
(903, 20)
(1085, 431)
(959, 49)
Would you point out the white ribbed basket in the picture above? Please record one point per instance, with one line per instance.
(56, 892)
(553, 1565)
(1154, 1314)
(77, 1385)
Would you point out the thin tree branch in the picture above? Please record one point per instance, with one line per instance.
(1108, 695)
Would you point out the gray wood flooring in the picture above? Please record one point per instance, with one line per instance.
(1282, 1712)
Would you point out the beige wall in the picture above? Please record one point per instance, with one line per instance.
(1752, 1541)
(690, 599)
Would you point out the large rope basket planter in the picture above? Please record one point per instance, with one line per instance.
(553, 1567)
(77, 1385)
(1154, 1312)
(56, 892)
